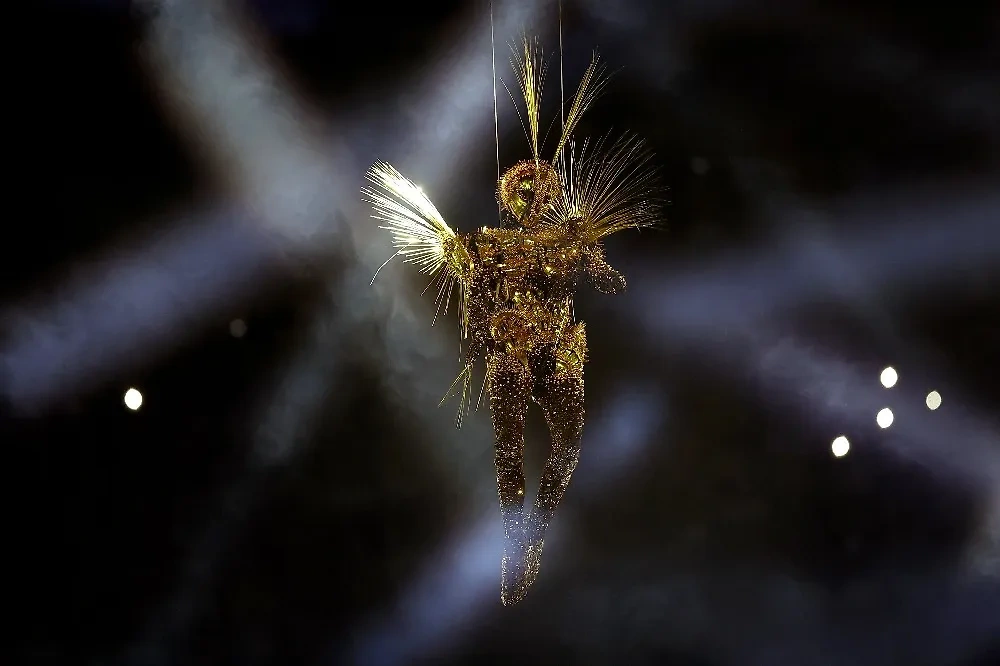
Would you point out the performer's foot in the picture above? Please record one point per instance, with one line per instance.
(532, 561)
(537, 524)
(514, 581)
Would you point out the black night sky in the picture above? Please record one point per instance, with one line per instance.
(290, 493)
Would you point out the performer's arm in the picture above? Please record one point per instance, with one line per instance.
(604, 278)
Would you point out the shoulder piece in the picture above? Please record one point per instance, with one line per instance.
(608, 187)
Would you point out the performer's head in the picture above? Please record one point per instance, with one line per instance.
(526, 190)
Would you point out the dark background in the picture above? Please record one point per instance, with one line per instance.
(710, 525)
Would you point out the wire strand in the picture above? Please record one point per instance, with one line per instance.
(496, 119)
(562, 93)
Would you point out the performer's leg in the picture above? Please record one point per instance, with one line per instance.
(509, 383)
(561, 398)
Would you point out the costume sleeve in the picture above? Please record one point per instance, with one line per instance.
(604, 278)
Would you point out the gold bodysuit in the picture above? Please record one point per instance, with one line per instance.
(520, 317)
(517, 286)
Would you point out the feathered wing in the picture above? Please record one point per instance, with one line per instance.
(422, 237)
(609, 187)
(419, 232)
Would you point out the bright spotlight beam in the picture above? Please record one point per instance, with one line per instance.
(227, 97)
(460, 586)
(289, 419)
(746, 289)
(141, 301)
(725, 309)
(961, 448)
(223, 84)
(153, 297)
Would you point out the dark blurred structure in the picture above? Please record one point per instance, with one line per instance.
(289, 493)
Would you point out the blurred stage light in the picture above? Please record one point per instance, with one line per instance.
(933, 400)
(841, 445)
(237, 328)
(133, 399)
(884, 418)
(889, 377)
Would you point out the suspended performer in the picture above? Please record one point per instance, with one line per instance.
(516, 286)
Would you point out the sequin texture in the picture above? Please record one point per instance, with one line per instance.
(517, 283)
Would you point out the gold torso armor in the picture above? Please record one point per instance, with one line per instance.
(521, 298)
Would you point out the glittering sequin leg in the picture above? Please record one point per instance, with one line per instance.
(561, 399)
(510, 388)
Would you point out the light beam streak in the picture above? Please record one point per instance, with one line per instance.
(459, 588)
(152, 297)
(306, 381)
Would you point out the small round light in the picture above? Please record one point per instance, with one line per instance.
(889, 377)
(933, 400)
(133, 399)
(237, 328)
(841, 445)
(884, 418)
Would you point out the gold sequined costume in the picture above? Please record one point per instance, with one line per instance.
(517, 285)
